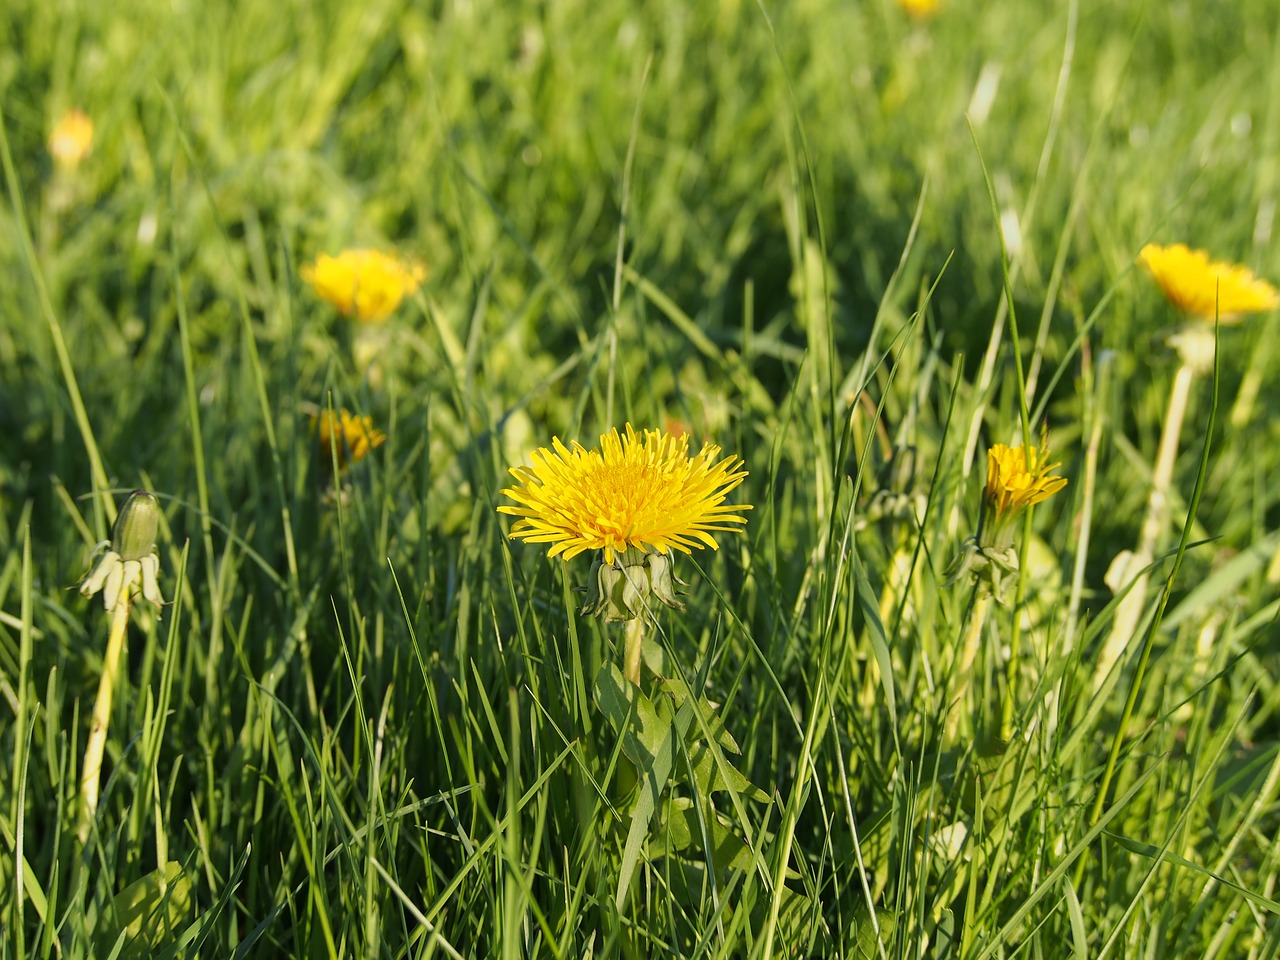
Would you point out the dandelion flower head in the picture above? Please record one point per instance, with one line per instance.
(644, 492)
(366, 284)
(1203, 288)
(71, 139)
(920, 8)
(347, 437)
(1017, 478)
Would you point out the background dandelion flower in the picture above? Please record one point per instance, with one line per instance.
(920, 9)
(634, 492)
(366, 284)
(1206, 288)
(71, 139)
(347, 437)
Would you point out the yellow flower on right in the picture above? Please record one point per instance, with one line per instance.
(1206, 288)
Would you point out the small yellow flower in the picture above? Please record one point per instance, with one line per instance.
(345, 437)
(1203, 288)
(631, 493)
(366, 284)
(71, 139)
(920, 9)
(1017, 478)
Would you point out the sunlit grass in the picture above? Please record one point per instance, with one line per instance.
(830, 238)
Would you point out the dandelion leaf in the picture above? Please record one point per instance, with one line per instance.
(148, 914)
(683, 831)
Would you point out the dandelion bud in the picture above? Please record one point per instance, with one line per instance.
(134, 535)
(131, 562)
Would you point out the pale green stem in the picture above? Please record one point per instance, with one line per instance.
(896, 583)
(968, 654)
(1130, 610)
(1015, 635)
(634, 649)
(91, 769)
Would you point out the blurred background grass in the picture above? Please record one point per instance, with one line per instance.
(365, 726)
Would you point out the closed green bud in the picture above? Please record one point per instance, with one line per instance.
(134, 535)
(131, 562)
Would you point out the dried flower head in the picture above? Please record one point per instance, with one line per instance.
(366, 284)
(345, 437)
(1203, 288)
(71, 139)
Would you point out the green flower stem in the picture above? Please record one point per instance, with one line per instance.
(897, 582)
(968, 654)
(1185, 373)
(1015, 634)
(1130, 610)
(634, 641)
(91, 769)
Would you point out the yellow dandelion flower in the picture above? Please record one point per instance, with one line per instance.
(1017, 478)
(920, 9)
(1203, 288)
(347, 437)
(366, 284)
(71, 139)
(642, 493)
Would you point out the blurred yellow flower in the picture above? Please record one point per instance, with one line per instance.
(345, 437)
(920, 8)
(632, 493)
(1204, 288)
(71, 139)
(367, 284)
(1017, 478)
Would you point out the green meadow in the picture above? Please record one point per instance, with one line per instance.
(854, 248)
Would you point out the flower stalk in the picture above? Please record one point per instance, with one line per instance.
(968, 654)
(633, 652)
(129, 565)
(1136, 564)
(91, 768)
(1018, 478)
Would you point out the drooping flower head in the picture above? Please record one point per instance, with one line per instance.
(71, 139)
(346, 437)
(1203, 288)
(366, 284)
(637, 492)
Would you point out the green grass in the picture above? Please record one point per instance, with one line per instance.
(369, 725)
